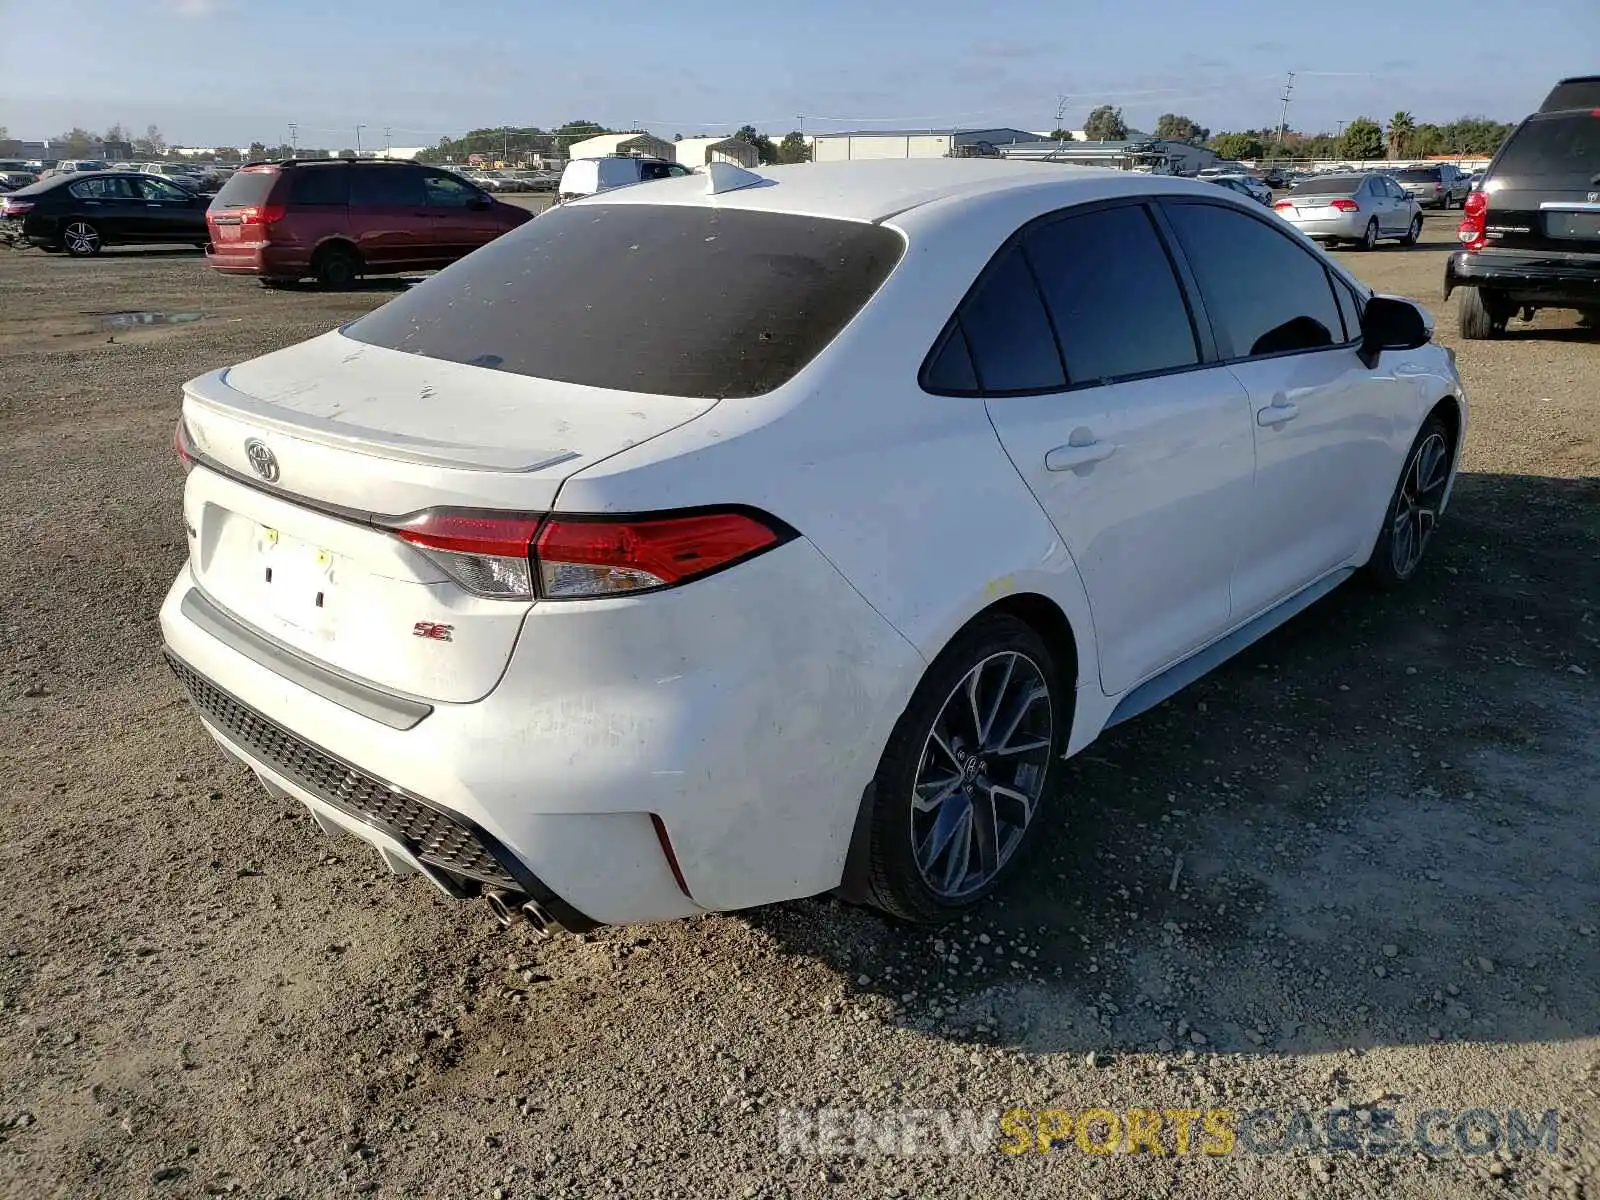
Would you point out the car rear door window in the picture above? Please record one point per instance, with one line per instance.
(1111, 292)
(1263, 293)
(386, 187)
(113, 187)
(319, 187)
(1013, 347)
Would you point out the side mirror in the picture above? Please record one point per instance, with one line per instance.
(1390, 323)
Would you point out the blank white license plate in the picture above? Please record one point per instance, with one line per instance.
(299, 580)
(228, 233)
(1317, 214)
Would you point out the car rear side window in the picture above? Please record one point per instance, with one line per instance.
(103, 187)
(1112, 294)
(386, 187)
(248, 188)
(1566, 144)
(1350, 308)
(1013, 347)
(1263, 293)
(321, 187)
(672, 300)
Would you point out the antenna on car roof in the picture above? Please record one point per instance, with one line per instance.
(726, 177)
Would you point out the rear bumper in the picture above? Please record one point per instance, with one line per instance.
(1556, 280)
(1351, 227)
(744, 715)
(269, 261)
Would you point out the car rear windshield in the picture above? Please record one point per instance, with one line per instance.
(246, 189)
(668, 300)
(1565, 144)
(1329, 185)
(1418, 175)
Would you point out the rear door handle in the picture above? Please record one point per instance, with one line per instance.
(1277, 413)
(1071, 457)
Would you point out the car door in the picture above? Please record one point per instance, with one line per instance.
(388, 216)
(109, 204)
(461, 218)
(171, 214)
(1095, 378)
(1400, 202)
(1321, 420)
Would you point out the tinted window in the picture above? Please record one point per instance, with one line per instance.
(1565, 145)
(950, 368)
(675, 301)
(1112, 295)
(1013, 347)
(246, 189)
(1263, 293)
(1350, 307)
(1419, 175)
(102, 187)
(446, 191)
(386, 187)
(325, 186)
(654, 170)
(1329, 185)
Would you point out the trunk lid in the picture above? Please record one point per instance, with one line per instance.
(320, 444)
(1543, 188)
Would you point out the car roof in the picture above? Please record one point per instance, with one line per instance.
(878, 189)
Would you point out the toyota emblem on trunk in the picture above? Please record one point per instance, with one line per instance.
(262, 460)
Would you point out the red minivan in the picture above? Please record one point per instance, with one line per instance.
(336, 220)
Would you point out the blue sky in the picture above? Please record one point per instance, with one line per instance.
(232, 71)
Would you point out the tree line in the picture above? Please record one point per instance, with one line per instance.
(508, 142)
(1363, 138)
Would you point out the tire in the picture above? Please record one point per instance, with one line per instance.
(1475, 320)
(1369, 239)
(1412, 515)
(80, 238)
(1414, 233)
(928, 756)
(336, 267)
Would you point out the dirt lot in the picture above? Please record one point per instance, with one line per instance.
(1388, 894)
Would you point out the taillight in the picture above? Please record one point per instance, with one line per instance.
(1282, 206)
(1474, 220)
(516, 557)
(181, 443)
(15, 208)
(1345, 205)
(266, 214)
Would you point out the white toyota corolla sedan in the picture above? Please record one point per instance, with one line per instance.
(751, 536)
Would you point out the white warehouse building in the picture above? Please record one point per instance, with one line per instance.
(911, 143)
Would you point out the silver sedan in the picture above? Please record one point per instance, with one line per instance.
(1361, 207)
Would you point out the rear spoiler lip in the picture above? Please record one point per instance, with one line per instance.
(212, 391)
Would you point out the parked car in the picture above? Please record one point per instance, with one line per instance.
(1274, 177)
(186, 176)
(1245, 185)
(613, 599)
(588, 176)
(336, 220)
(1435, 185)
(1530, 233)
(84, 211)
(16, 173)
(1363, 207)
(73, 166)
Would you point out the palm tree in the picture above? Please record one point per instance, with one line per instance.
(1401, 129)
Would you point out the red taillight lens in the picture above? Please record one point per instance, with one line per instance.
(180, 443)
(515, 557)
(266, 214)
(1345, 205)
(1283, 206)
(1474, 221)
(15, 208)
(599, 558)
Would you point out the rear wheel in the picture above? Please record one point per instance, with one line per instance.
(80, 238)
(960, 787)
(336, 266)
(1414, 232)
(1413, 513)
(1369, 239)
(1479, 318)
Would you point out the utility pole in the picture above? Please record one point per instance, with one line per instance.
(359, 128)
(1061, 112)
(294, 140)
(1283, 118)
(505, 145)
(386, 140)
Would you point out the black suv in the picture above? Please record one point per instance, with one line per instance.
(1531, 228)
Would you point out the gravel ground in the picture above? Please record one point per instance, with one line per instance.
(1357, 866)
